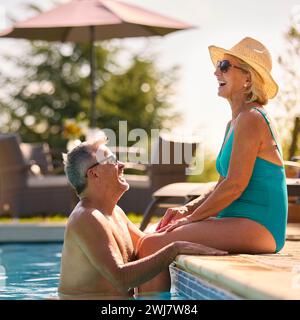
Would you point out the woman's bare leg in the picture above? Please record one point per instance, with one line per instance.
(235, 235)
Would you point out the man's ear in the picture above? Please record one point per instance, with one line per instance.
(92, 173)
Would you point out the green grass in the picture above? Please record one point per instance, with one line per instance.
(137, 218)
(38, 219)
(209, 173)
(134, 217)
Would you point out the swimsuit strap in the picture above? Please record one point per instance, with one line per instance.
(225, 136)
(271, 130)
(227, 130)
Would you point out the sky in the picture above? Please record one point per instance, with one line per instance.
(218, 22)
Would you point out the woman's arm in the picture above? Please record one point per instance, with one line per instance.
(244, 152)
(173, 214)
(247, 140)
(193, 205)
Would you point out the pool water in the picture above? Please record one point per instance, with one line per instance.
(31, 272)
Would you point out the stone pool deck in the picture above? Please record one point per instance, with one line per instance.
(270, 276)
(31, 232)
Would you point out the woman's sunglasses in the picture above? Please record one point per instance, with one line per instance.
(224, 66)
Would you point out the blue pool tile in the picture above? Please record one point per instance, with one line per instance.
(195, 288)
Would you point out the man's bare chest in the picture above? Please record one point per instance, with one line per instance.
(123, 240)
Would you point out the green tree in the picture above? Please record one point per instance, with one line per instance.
(289, 97)
(138, 95)
(54, 85)
(50, 87)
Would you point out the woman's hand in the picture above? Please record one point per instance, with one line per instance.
(178, 223)
(171, 215)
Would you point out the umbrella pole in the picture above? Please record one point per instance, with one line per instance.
(93, 87)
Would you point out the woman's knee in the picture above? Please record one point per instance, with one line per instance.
(148, 245)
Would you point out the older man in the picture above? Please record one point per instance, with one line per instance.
(98, 257)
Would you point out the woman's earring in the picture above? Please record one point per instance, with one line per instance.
(245, 85)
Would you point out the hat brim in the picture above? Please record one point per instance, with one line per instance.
(270, 86)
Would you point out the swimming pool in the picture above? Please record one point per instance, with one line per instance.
(31, 272)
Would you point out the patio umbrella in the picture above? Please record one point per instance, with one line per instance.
(91, 20)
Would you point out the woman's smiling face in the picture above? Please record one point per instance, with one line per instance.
(233, 82)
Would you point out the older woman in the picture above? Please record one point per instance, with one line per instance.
(246, 212)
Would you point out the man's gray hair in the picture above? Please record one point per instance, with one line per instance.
(78, 160)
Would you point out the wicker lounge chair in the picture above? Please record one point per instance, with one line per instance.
(25, 194)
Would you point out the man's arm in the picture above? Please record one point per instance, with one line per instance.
(94, 237)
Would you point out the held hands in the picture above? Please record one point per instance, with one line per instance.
(171, 215)
(177, 223)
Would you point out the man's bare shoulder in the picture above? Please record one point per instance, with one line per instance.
(86, 218)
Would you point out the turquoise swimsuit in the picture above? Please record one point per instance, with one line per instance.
(265, 198)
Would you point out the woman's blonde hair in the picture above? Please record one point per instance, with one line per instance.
(256, 92)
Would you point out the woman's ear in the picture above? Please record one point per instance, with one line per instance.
(248, 80)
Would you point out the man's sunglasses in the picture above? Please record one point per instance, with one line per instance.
(112, 159)
(224, 66)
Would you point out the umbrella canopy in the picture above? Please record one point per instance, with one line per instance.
(91, 20)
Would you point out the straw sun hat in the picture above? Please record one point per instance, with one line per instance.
(256, 55)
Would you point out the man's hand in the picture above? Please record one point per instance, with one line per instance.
(185, 247)
(171, 215)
